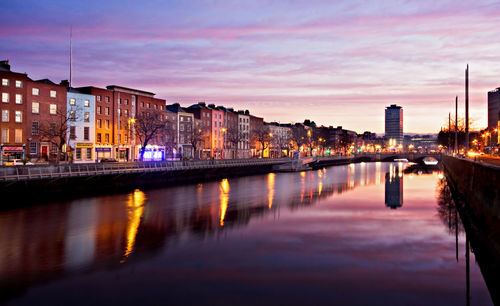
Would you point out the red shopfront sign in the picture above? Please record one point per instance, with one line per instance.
(13, 149)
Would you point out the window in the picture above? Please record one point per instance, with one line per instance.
(106, 138)
(78, 153)
(99, 98)
(107, 111)
(126, 138)
(98, 138)
(72, 101)
(99, 123)
(156, 106)
(35, 107)
(86, 117)
(126, 101)
(5, 97)
(19, 84)
(72, 132)
(19, 99)
(120, 101)
(53, 109)
(33, 148)
(18, 135)
(106, 124)
(89, 153)
(86, 103)
(119, 112)
(98, 110)
(72, 115)
(182, 119)
(53, 128)
(35, 128)
(126, 112)
(86, 133)
(5, 82)
(19, 117)
(162, 107)
(149, 105)
(107, 99)
(5, 135)
(53, 93)
(35, 91)
(181, 127)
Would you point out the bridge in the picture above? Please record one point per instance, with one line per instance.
(391, 156)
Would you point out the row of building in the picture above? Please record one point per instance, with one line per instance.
(42, 120)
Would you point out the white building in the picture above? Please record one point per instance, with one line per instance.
(244, 129)
(81, 126)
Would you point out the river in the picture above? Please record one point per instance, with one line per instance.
(358, 234)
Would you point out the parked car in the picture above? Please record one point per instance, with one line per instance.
(108, 160)
(17, 162)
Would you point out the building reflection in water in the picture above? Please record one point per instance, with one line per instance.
(394, 187)
(110, 230)
(135, 210)
(270, 189)
(224, 199)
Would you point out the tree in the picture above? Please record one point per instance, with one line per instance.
(261, 136)
(234, 137)
(196, 138)
(281, 141)
(298, 136)
(170, 134)
(148, 125)
(55, 131)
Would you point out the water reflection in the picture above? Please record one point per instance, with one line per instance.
(394, 187)
(121, 231)
(481, 238)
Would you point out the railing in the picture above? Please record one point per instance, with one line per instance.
(19, 173)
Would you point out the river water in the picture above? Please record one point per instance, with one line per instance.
(348, 235)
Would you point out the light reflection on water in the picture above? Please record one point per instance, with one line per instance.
(288, 238)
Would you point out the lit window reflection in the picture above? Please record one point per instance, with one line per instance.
(270, 189)
(135, 209)
(224, 199)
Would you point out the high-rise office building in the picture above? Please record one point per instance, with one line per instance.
(493, 108)
(394, 125)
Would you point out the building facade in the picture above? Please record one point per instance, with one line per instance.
(394, 125)
(244, 130)
(26, 107)
(493, 108)
(81, 126)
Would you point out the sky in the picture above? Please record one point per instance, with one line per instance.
(338, 63)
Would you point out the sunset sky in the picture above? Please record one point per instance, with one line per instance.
(334, 62)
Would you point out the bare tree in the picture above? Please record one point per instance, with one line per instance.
(282, 142)
(148, 125)
(297, 136)
(261, 135)
(234, 136)
(170, 135)
(55, 131)
(195, 139)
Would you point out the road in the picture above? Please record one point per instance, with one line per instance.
(489, 159)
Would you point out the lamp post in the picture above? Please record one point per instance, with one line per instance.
(223, 130)
(131, 125)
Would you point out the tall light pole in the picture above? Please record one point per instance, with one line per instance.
(456, 124)
(467, 109)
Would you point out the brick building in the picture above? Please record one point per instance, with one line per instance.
(25, 105)
(203, 115)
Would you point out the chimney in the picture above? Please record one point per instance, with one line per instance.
(5, 65)
(64, 83)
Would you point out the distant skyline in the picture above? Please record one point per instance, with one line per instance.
(336, 63)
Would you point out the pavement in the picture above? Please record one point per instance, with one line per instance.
(488, 159)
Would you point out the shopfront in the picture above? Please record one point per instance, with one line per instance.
(9, 153)
(153, 153)
(102, 152)
(83, 152)
(122, 154)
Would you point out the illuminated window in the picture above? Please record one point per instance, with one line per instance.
(98, 138)
(19, 84)
(72, 101)
(99, 123)
(99, 98)
(19, 99)
(72, 115)
(5, 115)
(86, 103)
(53, 93)
(5, 135)
(86, 117)
(5, 97)
(98, 110)
(5, 82)
(18, 135)
(53, 109)
(106, 138)
(19, 117)
(35, 91)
